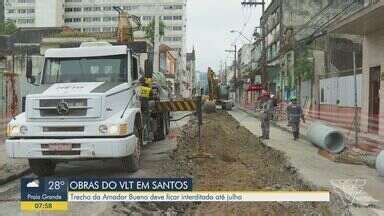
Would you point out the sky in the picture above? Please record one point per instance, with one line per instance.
(209, 23)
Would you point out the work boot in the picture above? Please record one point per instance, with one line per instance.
(295, 135)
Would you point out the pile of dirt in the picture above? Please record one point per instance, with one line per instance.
(241, 163)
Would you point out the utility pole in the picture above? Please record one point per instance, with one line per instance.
(255, 3)
(156, 43)
(235, 70)
(356, 125)
(225, 72)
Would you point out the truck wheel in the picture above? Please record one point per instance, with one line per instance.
(131, 163)
(42, 167)
(161, 128)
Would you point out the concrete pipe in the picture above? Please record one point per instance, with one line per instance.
(209, 107)
(326, 137)
(380, 164)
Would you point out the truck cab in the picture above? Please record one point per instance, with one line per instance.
(86, 108)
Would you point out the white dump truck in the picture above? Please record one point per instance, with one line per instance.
(87, 109)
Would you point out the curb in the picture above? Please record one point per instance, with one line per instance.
(273, 123)
(13, 177)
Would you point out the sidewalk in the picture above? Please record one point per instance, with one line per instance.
(11, 169)
(322, 172)
(368, 142)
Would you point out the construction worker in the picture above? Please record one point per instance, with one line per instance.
(295, 113)
(266, 114)
(145, 93)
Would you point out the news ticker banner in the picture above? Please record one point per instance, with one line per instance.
(54, 194)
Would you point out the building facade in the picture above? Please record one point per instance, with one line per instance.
(190, 78)
(99, 16)
(2, 11)
(368, 24)
(280, 18)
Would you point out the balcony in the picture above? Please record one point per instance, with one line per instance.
(366, 20)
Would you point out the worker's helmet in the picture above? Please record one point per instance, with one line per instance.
(293, 98)
(272, 96)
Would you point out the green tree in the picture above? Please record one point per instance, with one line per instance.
(304, 66)
(150, 30)
(7, 27)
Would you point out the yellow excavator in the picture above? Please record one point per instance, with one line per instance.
(218, 93)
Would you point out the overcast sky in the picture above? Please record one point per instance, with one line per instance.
(208, 29)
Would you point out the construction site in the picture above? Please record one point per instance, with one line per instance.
(296, 112)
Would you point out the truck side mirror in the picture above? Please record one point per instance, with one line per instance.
(28, 73)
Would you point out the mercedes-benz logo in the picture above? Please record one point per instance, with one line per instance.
(62, 108)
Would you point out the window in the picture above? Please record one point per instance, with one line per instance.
(25, 1)
(147, 18)
(68, 9)
(21, 11)
(173, 7)
(87, 29)
(174, 28)
(135, 72)
(96, 9)
(77, 9)
(107, 19)
(30, 11)
(107, 8)
(87, 19)
(95, 69)
(177, 28)
(167, 17)
(11, 11)
(88, 9)
(96, 19)
(135, 7)
(25, 21)
(171, 39)
(95, 29)
(69, 20)
(177, 17)
(107, 29)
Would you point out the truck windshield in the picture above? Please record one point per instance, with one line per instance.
(92, 69)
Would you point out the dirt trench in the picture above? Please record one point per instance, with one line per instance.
(240, 162)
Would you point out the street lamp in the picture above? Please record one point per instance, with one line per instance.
(241, 34)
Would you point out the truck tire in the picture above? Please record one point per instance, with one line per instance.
(161, 128)
(131, 163)
(42, 167)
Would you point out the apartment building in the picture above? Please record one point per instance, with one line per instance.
(99, 15)
(280, 18)
(2, 11)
